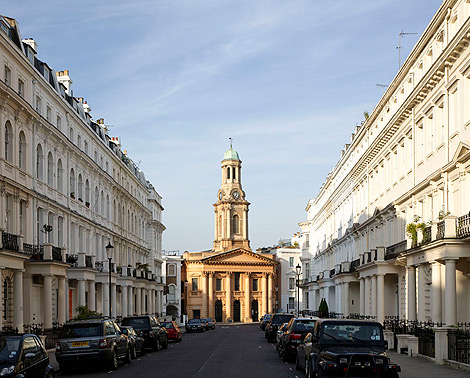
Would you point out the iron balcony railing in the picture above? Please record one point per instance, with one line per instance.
(393, 251)
(36, 251)
(426, 235)
(88, 262)
(56, 253)
(462, 225)
(354, 265)
(10, 241)
(441, 230)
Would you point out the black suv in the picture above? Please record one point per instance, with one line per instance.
(345, 348)
(276, 321)
(294, 334)
(90, 340)
(23, 355)
(150, 329)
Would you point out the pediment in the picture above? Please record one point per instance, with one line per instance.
(238, 256)
(462, 151)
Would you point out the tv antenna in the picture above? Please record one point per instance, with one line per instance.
(400, 47)
(382, 86)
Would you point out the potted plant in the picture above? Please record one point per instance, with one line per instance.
(72, 195)
(412, 230)
(323, 309)
(87, 204)
(80, 199)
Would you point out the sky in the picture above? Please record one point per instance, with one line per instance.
(287, 80)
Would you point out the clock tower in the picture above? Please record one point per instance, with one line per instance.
(231, 208)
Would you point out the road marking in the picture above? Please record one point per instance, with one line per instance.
(290, 369)
(138, 359)
(259, 347)
(109, 372)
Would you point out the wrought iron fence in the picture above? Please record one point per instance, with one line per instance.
(52, 335)
(426, 235)
(393, 251)
(10, 241)
(36, 251)
(36, 328)
(56, 253)
(441, 230)
(361, 317)
(459, 343)
(462, 225)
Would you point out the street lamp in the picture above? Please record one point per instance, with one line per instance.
(297, 272)
(109, 253)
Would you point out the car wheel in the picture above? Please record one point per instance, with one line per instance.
(128, 358)
(133, 353)
(113, 363)
(165, 344)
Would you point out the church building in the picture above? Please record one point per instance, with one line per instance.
(230, 282)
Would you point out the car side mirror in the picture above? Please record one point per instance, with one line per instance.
(29, 356)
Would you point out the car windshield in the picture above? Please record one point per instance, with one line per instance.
(167, 325)
(194, 321)
(9, 349)
(279, 319)
(304, 325)
(137, 323)
(80, 330)
(360, 333)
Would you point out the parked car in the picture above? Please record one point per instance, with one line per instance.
(173, 330)
(279, 333)
(264, 321)
(205, 324)
(98, 339)
(194, 325)
(150, 329)
(24, 355)
(295, 333)
(136, 342)
(340, 347)
(211, 323)
(273, 325)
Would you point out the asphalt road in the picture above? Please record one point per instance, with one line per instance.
(228, 351)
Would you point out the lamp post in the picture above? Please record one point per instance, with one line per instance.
(109, 253)
(297, 272)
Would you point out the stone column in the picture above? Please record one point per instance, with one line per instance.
(47, 301)
(346, 301)
(130, 301)
(113, 299)
(374, 295)
(18, 300)
(362, 296)
(61, 301)
(138, 300)
(450, 295)
(264, 293)
(105, 292)
(326, 295)
(411, 292)
(210, 295)
(270, 294)
(247, 298)
(436, 292)
(91, 295)
(27, 300)
(421, 296)
(204, 313)
(380, 298)
(228, 296)
(143, 291)
(81, 292)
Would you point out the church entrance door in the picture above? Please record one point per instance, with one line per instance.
(236, 311)
(254, 310)
(218, 311)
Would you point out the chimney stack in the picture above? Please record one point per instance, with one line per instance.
(64, 78)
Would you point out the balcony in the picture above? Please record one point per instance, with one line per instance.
(393, 251)
(44, 252)
(10, 241)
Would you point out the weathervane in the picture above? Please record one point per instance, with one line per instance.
(231, 140)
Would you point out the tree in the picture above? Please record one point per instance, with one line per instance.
(84, 312)
(323, 309)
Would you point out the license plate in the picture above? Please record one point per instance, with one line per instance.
(78, 344)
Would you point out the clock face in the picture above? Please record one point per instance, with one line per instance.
(236, 194)
(220, 195)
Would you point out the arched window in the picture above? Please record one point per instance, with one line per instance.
(50, 169)
(220, 224)
(108, 214)
(60, 176)
(72, 183)
(102, 204)
(236, 224)
(171, 293)
(80, 187)
(8, 142)
(39, 163)
(87, 193)
(96, 205)
(22, 151)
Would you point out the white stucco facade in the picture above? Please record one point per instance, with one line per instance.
(67, 190)
(288, 259)
(410, 158)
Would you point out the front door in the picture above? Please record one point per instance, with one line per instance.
(254, 310)
(218, 310)
(236, 311)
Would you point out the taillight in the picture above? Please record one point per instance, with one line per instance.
(295, 336)
(103, 344)
(57, 346)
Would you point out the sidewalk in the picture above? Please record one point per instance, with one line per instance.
(52, 360)
(419, 367)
